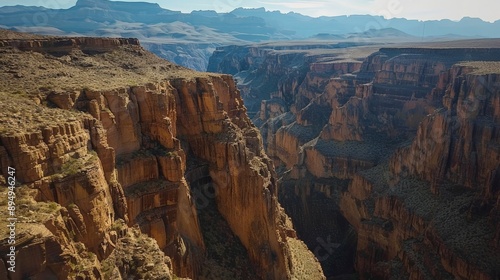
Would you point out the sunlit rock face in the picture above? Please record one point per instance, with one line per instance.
(389, 164)
(113, 164)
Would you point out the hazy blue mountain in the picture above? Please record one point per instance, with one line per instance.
(303, 26)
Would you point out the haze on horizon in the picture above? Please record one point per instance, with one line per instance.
(422, 10)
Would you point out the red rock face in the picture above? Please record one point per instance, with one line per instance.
(458, 144)
(131, 153)
(407, 154)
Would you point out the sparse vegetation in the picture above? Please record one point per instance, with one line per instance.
(303, 261)
(75, 165)
(28, 211)
(446, 213)
(226, 256)
(483, 67)
(19, 98)
(71, 167)
(136, 256)
(367, 150)
(107, 75)
(21, 114)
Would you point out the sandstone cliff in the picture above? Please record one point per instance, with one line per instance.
(378, 156)
(118, 134)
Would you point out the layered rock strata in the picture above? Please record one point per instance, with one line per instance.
(121, 151)
(377, 156)
(66, 45)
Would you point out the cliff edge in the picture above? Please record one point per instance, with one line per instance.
(119, 146)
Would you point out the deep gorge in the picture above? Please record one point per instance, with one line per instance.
(388, 159)
(337, 161)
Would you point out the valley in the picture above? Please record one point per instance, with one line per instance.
(387, 156)
(139, 142)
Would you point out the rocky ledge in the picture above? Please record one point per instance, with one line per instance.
(66, 45)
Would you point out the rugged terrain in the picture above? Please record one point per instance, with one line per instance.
(388, 156)
(188, 39)
(127, 165)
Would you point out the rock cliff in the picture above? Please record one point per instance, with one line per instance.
(388, 158)
(66, 45)
(110, 153)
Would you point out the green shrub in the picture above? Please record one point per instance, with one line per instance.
(71, 167)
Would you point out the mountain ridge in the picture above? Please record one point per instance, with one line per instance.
(172, 33)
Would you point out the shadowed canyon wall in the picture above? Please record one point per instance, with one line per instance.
(388, 161)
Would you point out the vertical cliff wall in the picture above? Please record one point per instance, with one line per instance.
(101, 149)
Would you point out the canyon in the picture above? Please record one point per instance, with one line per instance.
(388, 157)
(316, 160)
(129, 166)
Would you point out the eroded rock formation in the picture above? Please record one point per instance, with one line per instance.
(122, 152)
(390, 163)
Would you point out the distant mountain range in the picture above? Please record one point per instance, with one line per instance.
(190, 38)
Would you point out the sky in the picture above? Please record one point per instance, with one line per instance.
(487, 10)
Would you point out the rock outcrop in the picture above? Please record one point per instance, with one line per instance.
(66, 45)
(460, 142)
(376, 157)
(108, 152)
